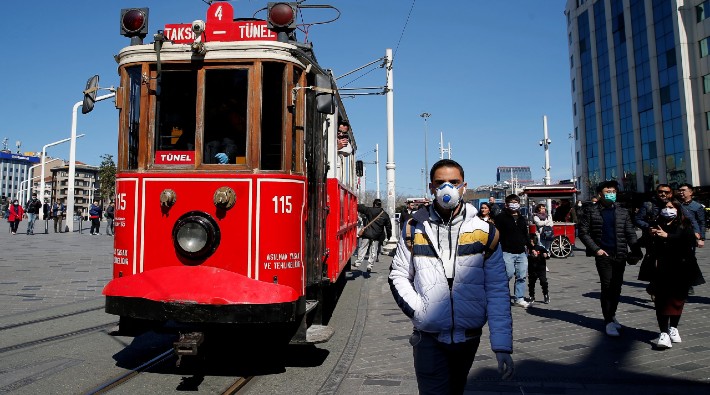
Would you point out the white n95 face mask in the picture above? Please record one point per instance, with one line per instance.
(447, 195)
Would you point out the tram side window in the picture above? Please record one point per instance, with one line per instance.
(225, 133)
(175, 111)
(134, 112)
(272, 116)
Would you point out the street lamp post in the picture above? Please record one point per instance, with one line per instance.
(44, 154)
(426, 116)
(574, 167)
(545, 143)
(72, 159)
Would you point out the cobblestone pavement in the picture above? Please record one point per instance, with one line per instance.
(560, 348)
(47, 270)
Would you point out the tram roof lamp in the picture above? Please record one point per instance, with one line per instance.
(281, 16)
(134, 24)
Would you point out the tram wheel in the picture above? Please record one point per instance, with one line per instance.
(561, 247)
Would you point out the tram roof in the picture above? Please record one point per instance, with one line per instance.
(272, 50)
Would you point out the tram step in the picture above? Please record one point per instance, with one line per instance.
(319, 334)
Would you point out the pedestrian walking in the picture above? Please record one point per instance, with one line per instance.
(14, 216)
(674, 270)
(110, 211)
(696, 212)
(485, 213)
(544, 226)
(376, 230)
(514, 241)
(95, 217)
(32, 208)
(606, 230)
(407, 214)
(58, 212)
(537, 269)
(449, 279)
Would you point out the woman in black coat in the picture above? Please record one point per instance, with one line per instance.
(676, 268)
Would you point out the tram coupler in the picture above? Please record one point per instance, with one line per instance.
(187, 345)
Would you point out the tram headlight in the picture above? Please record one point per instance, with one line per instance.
(196, 235)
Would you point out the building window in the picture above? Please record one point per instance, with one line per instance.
(571, 62)
(706, 83)
(707, 120)
(704, 47)
(701, 10)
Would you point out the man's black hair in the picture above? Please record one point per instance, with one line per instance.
(377, 203)
(608, 184)
(686, 184)
(664, 186)
(445, 163)
(512, 197)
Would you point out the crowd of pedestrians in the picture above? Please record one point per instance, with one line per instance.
(55, 213)
(451, 258)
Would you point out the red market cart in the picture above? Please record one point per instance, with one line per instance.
(563, 242)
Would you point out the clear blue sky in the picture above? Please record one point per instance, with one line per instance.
(487, 72)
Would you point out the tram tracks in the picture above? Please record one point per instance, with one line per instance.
(166, 356)
(49, 318)
(56, 337)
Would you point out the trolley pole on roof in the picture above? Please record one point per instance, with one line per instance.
(390, 143)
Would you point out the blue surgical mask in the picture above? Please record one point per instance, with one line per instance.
(611, 196)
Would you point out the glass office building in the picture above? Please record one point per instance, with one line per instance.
(640, 75)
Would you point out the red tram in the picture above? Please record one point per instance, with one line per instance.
(233, 205)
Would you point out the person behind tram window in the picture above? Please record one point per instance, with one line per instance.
(225, 134)
(344, 146)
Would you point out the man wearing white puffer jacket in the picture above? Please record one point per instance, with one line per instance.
(448, 276)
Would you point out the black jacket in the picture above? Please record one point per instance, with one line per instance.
(379, 230)
(33, 206)
(590, 231)
(514, 234)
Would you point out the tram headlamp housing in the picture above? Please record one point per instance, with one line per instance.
(134, 24)
(196, 235)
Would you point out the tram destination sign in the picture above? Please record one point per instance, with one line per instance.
(220, 26)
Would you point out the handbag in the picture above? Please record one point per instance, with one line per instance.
(359, 234)
(647, 270)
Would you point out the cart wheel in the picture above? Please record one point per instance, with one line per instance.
(561, 247)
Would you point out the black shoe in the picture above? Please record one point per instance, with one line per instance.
(546, 299)
(691, 291)
(531, 299)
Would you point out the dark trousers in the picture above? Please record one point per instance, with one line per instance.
(533, 276)
(442, 368)
(95, 225)
(611, 276)
(13, 225)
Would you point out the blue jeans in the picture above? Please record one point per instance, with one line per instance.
(31, 222)
(516, 265)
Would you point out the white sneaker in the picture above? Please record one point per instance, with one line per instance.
(369, 268)
(611, 330)
(521, 303)
(356, 265)
(674, 335)
(663, 341)
(616, 323)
